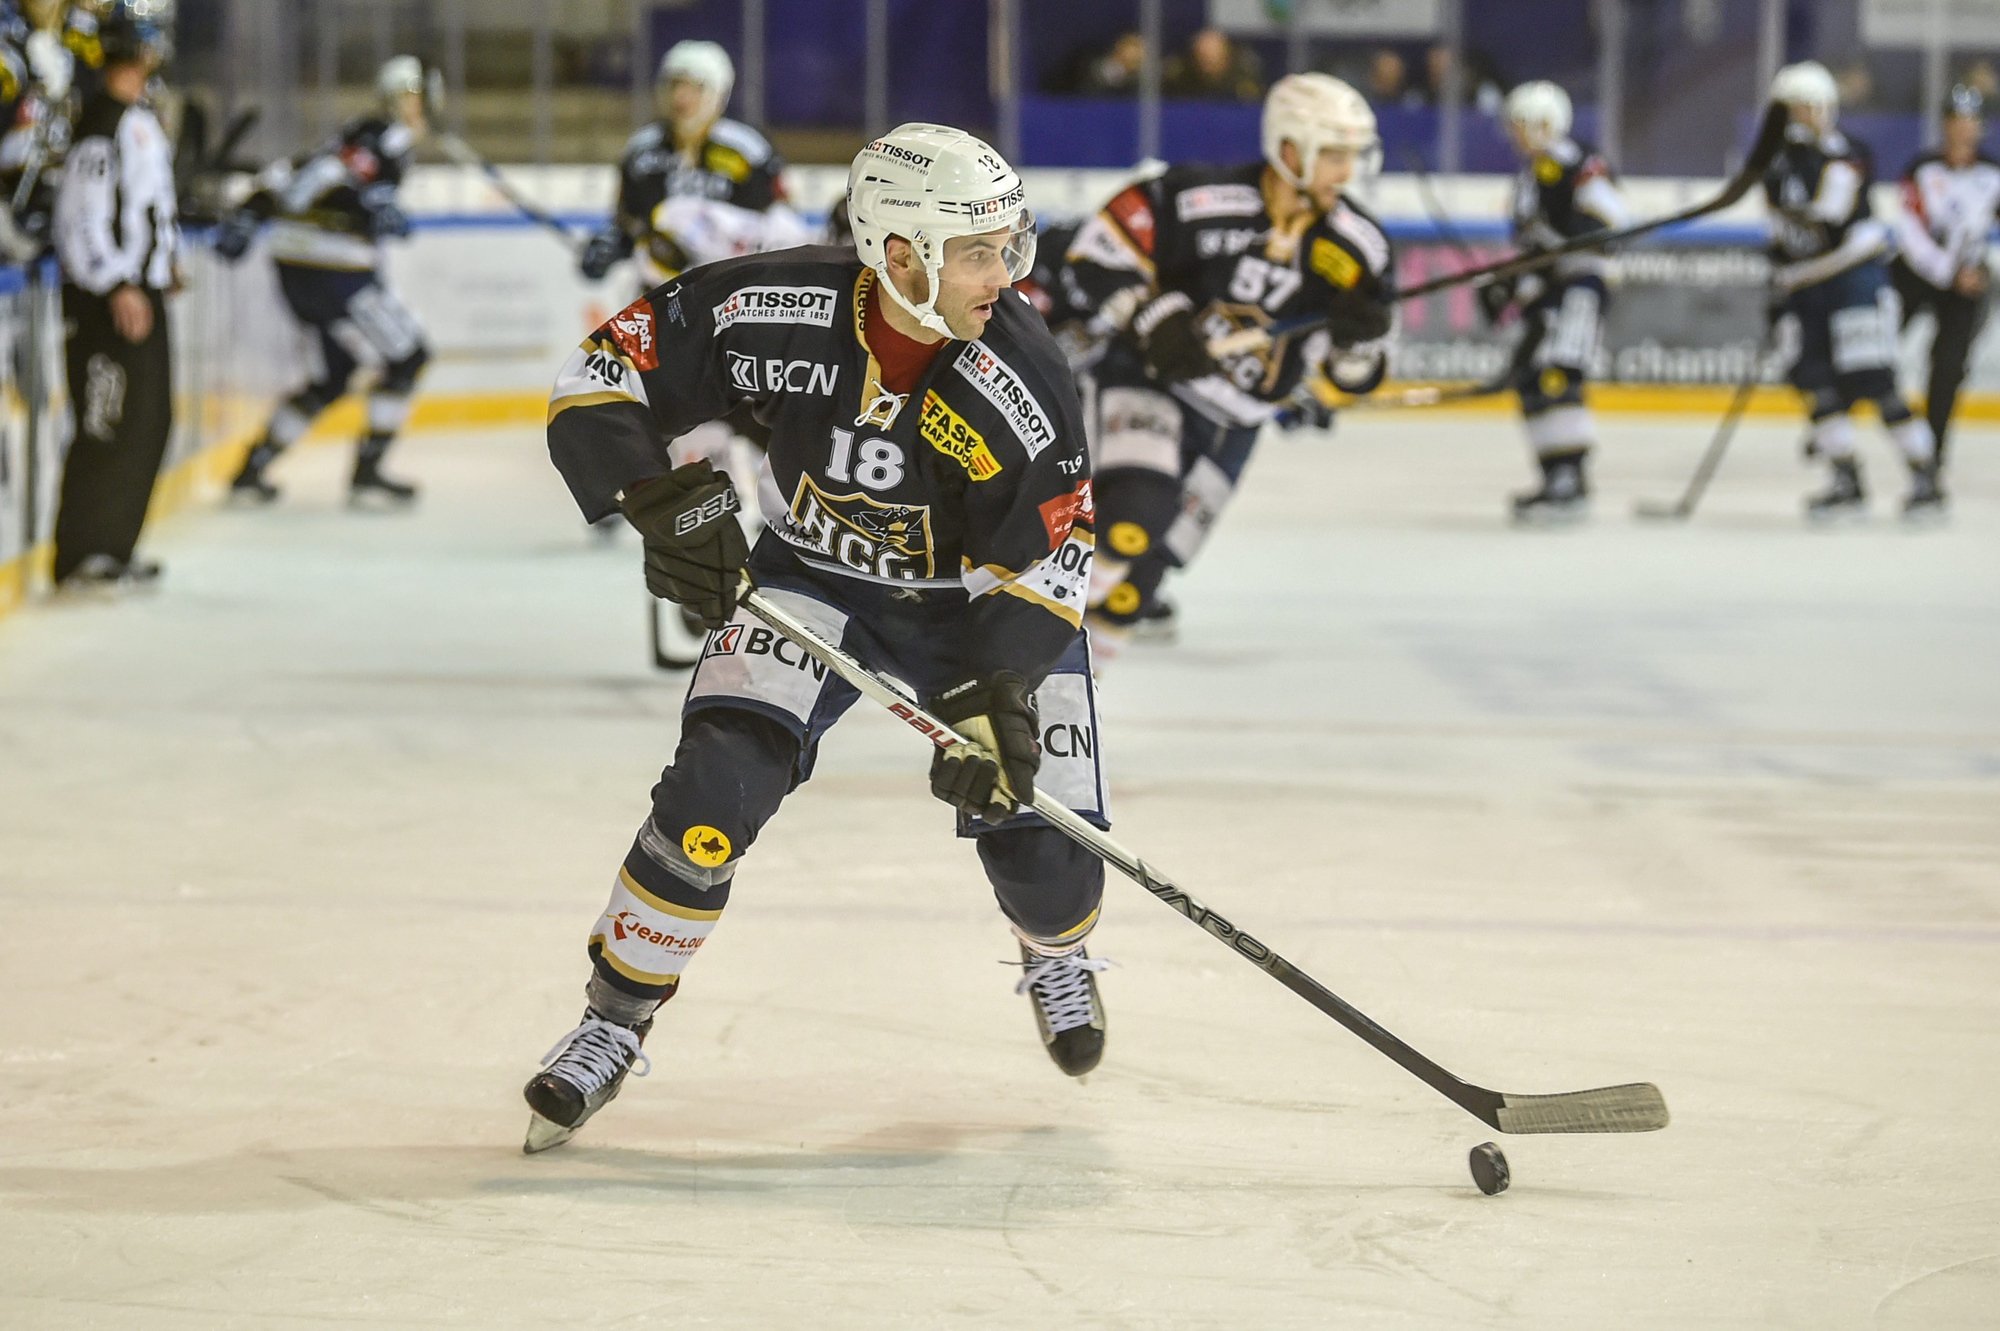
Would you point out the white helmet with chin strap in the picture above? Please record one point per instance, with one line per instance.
(407, 74)
(704, 64)
(927, 184)
(1312, 112)
(1807, 84)
(1541, 111)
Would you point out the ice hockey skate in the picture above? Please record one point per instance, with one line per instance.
(250, 488)
(1063, 990)
(1564, 495)
(581, 1075)
(371, 489)
(1843, 498)
(1925, 502)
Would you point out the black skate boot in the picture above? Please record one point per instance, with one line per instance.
(250, 489)
(371, 489)
(580, 1076)
(1063, 990)
(1925, 501)
(1158, 622)
(1843, 496)
(1563, 497)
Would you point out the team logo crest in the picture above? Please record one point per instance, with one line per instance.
(890, 541)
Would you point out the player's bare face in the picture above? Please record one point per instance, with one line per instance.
(1819, 119)
(970, 281)
(410, 110)
(1333, 171)
(1962, 135)
(687, 104)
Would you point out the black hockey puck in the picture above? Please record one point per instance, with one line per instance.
(1489, 1169)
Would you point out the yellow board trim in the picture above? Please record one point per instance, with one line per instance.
(661, 904)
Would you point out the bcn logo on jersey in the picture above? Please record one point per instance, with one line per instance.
(777, 305)
(772, 374)
(756, 640)
(890, 541)
(947, 432)
(999, 385)
(632, 329)
(1335, 264)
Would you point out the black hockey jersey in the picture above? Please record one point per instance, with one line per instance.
(734, 165)
(1566, 190)
(328, 204)
(1208, 232)
(975, 485)
(1947, 215)
(1817, 187)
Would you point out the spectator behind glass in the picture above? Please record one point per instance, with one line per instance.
(1389, 81)
(1114, 72)
(1480, 88)
(1856, 85)
(1980, 74)
(1214, 69)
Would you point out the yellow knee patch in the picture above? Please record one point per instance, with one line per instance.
(1128, 539)
(1123, 600)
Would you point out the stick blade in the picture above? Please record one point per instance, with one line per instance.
(1637, 1107)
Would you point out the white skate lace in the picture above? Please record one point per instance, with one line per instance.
(1060, 989)
(594, 1053)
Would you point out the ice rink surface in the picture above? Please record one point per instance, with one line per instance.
(296, 860)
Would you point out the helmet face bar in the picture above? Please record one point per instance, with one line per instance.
(931, 184)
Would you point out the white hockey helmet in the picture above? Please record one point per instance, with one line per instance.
(406, 74)
(704, 64)
(928, 183)
(1808, 85)
(1312, 112)
(1541, 112)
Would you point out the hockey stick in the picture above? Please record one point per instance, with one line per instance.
(466, 155)
(1770, 138)
(1638, 1107)
(1681, 509)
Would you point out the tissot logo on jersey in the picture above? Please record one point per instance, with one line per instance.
(632, 329)
(947, 432)
(1208, 201)
(777, 305)
(998, 384)
(771, 374)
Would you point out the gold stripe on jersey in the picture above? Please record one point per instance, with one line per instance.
(660, 903)
(557, 406)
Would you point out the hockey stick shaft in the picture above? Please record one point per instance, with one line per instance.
(1725, 430)
(466, 155)
(1770, 138)
(1636, 1108)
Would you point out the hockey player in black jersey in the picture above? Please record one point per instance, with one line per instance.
(1942, 232)
(1175, 261)
(1828, 274)
(1565, 189)
(928, 500)
(330, 210)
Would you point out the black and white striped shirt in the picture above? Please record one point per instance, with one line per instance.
(1947, 215)
(115, 220)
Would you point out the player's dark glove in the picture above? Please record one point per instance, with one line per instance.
(234, 234)
(386, 220)
(1495, 298)
(603, 249)
(1354, 319)
(997, 713)
(695, 549)
(1170, 341)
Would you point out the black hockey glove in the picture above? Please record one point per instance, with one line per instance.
(1354, 319)
(234, 234)
(1170, 341)
(1495, 298)
(997, 713)
(695, 549)
(603, 249)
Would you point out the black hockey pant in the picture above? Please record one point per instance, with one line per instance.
(1959, 321)
(122, 395)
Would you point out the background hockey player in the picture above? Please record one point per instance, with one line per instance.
(1565, 188)
(331, 209)
(695, 186)
(928, 502)
(1828, 273)
(1175, 261)
(117, 236)
(1942, 232)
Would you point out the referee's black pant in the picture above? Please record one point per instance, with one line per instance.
(122, 396)
(1959, 319)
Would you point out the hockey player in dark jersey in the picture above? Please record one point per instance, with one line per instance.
(1828, 275)
(694, 186)
(330, 210)
(1172, 263)
(1942, 234)
(928, 500)
(1565, 189)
